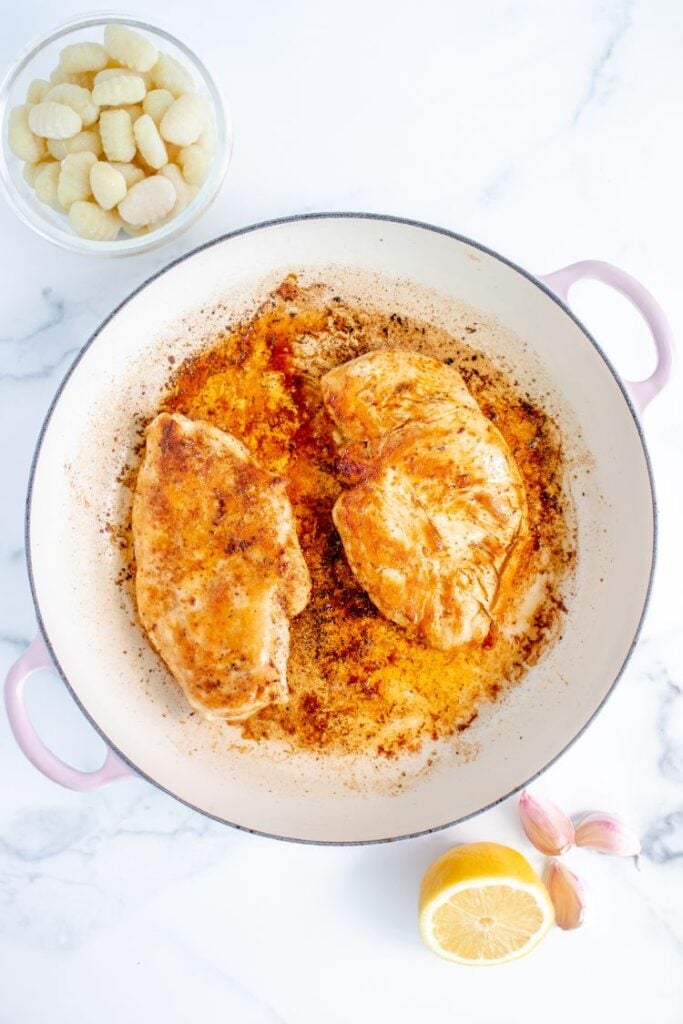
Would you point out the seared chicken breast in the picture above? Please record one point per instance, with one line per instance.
(438, 503)
(219, 568)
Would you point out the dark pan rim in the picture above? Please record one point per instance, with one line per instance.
(290, 220)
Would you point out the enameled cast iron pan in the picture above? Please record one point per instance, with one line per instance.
(92, 640)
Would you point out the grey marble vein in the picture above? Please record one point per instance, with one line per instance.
(55, 315)
(119, 849)
(663, 842)
(671, 760)
(620, 22)
(38, 347)
(14, 640)
(42, 372)
(492, 191)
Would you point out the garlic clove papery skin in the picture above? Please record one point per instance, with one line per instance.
(546, 825)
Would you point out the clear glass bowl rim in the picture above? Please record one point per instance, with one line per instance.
(130, 246)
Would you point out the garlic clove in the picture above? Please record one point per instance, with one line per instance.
(606, 833)
(546, 826)
(567, 895)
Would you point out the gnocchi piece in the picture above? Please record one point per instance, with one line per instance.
(173, 152)
(81, 57)
(90, 221)
(132, 174)
(130, 48)
(148, 201)
(88, 141)
(47, 182)
(22, 141)
(134, 111)
(116, 130)
(207, 140)
(107, 184)
(149, 142)
(76, 97)
(184, 121)
(86, 79)
(104, 76)
(184, 193)
(61, 77)
(53, 120)
(118, 90)
(29, 174)
(74, 178)
(110, 72)
(156, 103)
(132, 232)
(195, 162)
(169, 74)
(37, 90)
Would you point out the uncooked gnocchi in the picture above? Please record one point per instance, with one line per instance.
(185, 193)
(132, 174)
(47, 182)
(90, 221)
(81, 57)
(30, 173)
(148, 201)
(74, 178)
(88, 141)
(134, 110)
(184, 121)
(116, 130)
(118, 90)
(37, 89)
(51, 120)
(82, 78)
(22, 141)
(107, 185)
(169, 74)
(76, 97)
(129, 48)
(194, 161)
(149, 142)
(155, 103)
(115, 136)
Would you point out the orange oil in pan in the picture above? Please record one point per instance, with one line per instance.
(359, 683)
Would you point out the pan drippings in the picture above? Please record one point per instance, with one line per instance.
(358, 683)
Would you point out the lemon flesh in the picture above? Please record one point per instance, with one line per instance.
(483, 903)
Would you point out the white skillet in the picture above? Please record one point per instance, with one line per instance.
(87, 630)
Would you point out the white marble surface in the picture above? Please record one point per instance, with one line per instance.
(551, 133)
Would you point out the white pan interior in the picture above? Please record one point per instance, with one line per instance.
(89, 623)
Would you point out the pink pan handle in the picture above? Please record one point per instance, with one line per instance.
(35, 657)
(641, 391)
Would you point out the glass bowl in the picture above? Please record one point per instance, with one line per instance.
(37, 61)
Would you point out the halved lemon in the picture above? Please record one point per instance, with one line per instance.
(482, 903)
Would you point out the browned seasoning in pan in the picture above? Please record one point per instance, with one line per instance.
(359, 683)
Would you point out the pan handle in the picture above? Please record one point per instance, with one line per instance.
(641, 391)
(36, 657)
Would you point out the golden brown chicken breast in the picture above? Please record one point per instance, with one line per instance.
(438, 502)
(219, 568)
